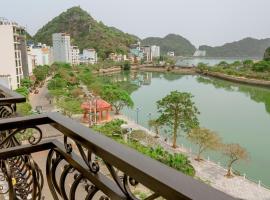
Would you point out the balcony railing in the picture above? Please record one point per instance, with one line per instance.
(83, 164)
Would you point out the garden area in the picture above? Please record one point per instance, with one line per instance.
(113, 130)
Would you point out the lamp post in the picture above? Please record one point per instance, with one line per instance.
(137, 114)
(90, 114)
(149, 118)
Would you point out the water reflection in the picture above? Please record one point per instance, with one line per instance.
(258, 94)
(239, 113)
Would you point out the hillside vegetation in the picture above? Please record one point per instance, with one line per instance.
(86, 32)
(248, 47)
(172, 42)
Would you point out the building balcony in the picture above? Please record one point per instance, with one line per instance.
(79, 163)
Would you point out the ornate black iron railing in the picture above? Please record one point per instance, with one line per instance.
(83, 164)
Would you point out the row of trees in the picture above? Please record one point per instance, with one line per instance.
(246, 65)
(25, 108)
(179, 113)
(65, 87)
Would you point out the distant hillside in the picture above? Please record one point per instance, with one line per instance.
(172, 42)
(86, 32)
(248, 47)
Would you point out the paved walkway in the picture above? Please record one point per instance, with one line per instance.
(212, 173)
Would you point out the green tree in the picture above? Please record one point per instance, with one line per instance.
(234, 152)
(126, 65)
(41, 72)
(156, 124)
(205, 139)
(178, 111)
(261, 66)
(26, 82)
(117, 97)
(266, 56)
(57, 83)
(248, 63)
(223, 64)
(202, 67)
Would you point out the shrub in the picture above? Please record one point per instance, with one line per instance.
(267, 54)
(223, 64)
(261, 66)
(57, 83)
(126, 65)
(248, 63)
(23, 91)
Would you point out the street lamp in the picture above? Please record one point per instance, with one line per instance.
(137, 114)
(149, 118)
(90, 110)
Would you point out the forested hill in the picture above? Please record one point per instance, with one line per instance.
(86, 32)
(172, 42)
(248, 47)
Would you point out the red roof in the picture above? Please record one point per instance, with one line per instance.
(99, 103)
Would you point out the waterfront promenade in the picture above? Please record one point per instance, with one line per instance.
(207, 171)
(211, 173)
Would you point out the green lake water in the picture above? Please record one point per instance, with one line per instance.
(238, 113)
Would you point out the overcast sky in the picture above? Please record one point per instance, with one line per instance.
(211, 22)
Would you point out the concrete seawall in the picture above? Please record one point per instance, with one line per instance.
(189, 71)
(235, 79)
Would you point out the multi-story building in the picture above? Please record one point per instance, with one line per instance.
(13, 56)
(147, 53)
(89, 56)
(199, 53)
(61, 48)
(41, 53)
(31, 59)
(75, 55)
(155, 51)
(171, 53)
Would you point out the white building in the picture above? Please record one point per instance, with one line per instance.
(41, 53)
(13, 56)
(61, 48)
(75, 55)
(89, 56)
(171, 53)
(199, 53)
(155, 51)
(31, 60)
(147, 53)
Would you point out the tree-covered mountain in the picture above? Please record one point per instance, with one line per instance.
(248, 47)
(172, 42)
(86, 32)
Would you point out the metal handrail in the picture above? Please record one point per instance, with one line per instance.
(8, 96)
(159, 178)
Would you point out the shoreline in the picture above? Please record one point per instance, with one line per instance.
(189, 71)
(210, 172)
(235, 79)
